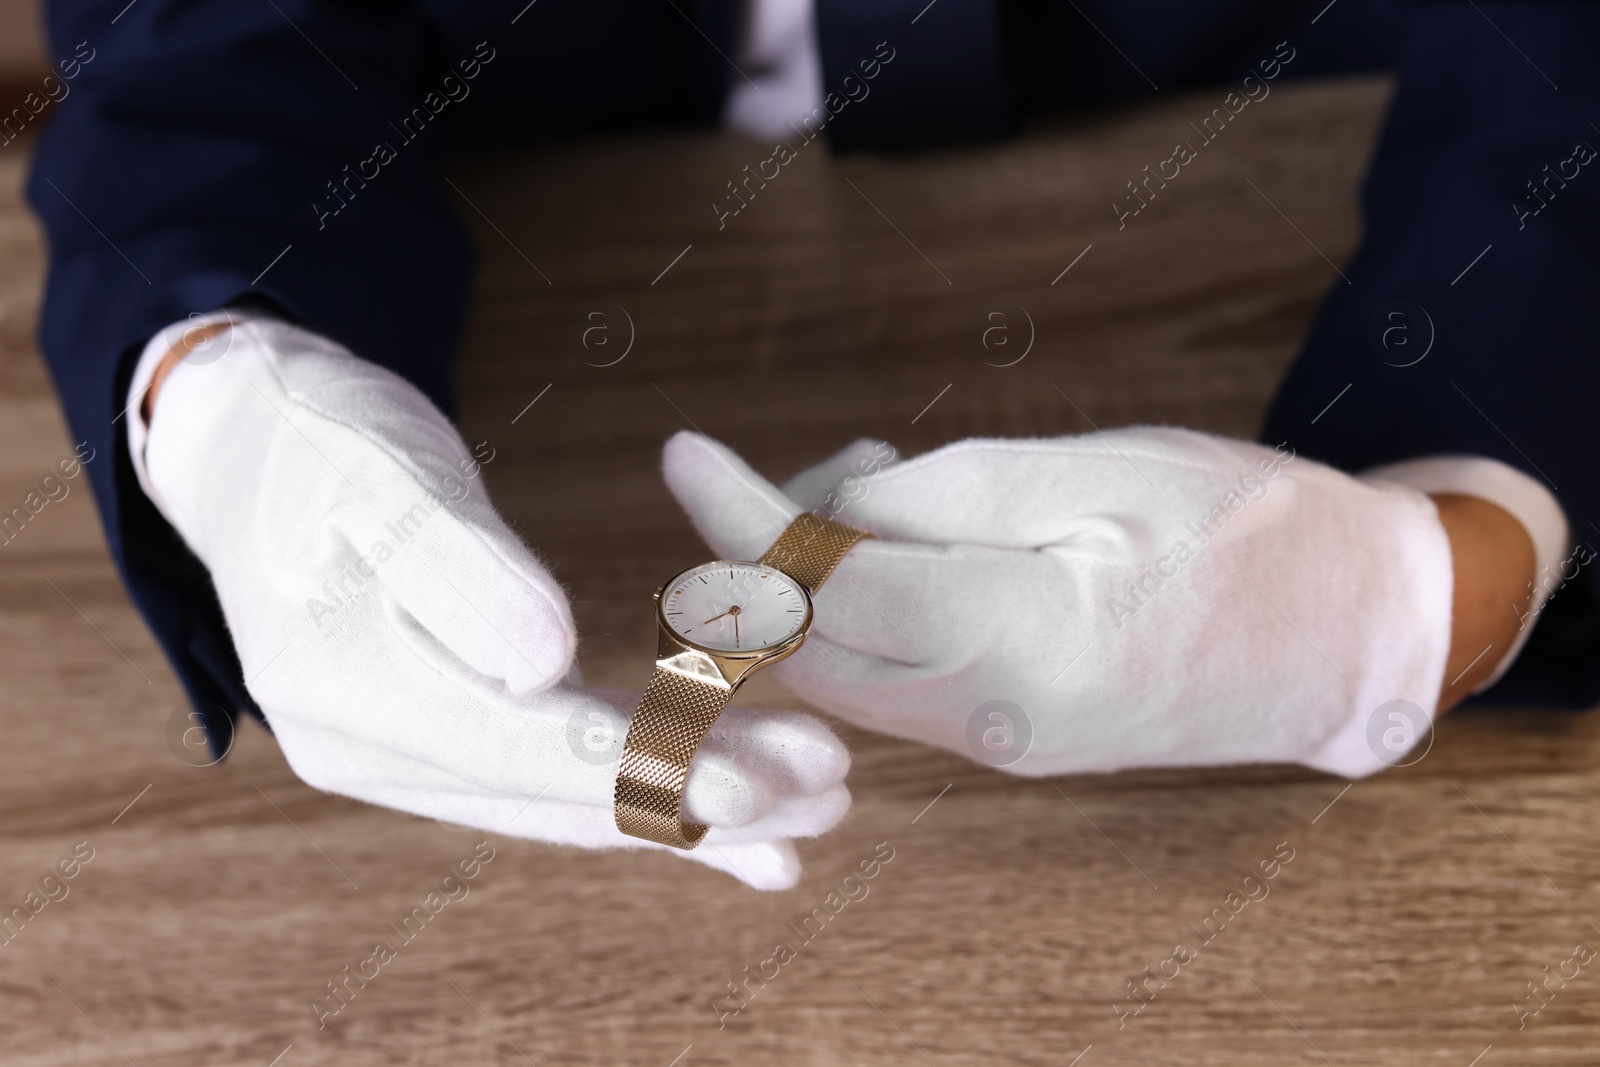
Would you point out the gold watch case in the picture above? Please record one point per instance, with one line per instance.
(717, 666)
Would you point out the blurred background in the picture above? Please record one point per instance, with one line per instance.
(22, 50)
(1418, 904)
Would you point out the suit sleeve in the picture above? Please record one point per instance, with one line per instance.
(209, 152)
(1470, 318)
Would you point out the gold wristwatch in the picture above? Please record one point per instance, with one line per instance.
(718, 622)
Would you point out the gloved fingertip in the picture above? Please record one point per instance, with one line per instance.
(692, 463)
(818, 814)
(722, 791)
(687, 449)
(770, 866)
(794, 750)
(542, 650)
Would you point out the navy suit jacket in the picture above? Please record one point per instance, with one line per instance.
(201, 139)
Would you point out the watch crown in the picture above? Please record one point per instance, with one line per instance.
(657, 594)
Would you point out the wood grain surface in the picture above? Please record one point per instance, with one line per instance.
(846, 298)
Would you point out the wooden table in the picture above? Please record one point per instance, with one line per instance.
(849, 298)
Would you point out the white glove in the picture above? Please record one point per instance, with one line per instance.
(1145, 597)
(779, 54)
(405, 646)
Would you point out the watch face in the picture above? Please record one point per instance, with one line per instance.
(735, 607)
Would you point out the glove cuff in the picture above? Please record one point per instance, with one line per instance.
(1529, 502)
(1357, 749)
(1404, 667)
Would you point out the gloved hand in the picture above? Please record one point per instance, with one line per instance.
(1145, 597)
(405, 646)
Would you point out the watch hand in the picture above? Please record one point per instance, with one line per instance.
(735, 629)
(713, 619)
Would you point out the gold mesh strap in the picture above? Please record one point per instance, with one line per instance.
(678, 711)
(810, 548)
(673, 718)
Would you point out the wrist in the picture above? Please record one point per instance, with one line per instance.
(196, 340)
(192, 340)
(1493, 516)
(1493, 558)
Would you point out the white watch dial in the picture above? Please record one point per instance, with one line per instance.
(734, 607)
